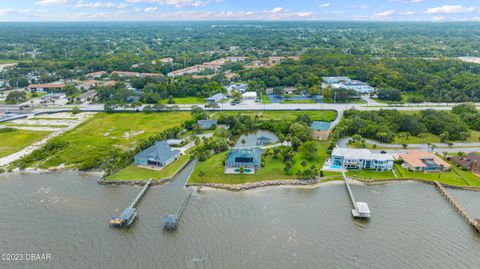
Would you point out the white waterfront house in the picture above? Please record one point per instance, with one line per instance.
(349, 158)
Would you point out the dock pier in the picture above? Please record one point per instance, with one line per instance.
(170, 222)
(474, 222)
(129, 214)
(360, 209)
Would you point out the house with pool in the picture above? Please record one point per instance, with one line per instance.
(359, 159)
(248, 158)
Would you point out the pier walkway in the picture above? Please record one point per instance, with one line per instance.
(170, 222)
(360, 209)
(140, 195)
(129, 214)
(474, 222)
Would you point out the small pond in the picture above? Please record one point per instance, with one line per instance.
(256, 138)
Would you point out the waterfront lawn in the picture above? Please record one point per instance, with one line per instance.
(96, 136)
(320, 115)
(17, 140)
(456, 176)
(371, 174)
(213, 168)
(273, 170)
(185, 100)
(133, 172)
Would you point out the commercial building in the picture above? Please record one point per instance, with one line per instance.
(48, 87)
(215, 98)
(349, 158)
(249, 96)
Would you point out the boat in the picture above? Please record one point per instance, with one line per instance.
(125, 219)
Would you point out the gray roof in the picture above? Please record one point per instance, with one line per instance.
(255, 153)
(206, 123)
(159, 152)
(216, 97)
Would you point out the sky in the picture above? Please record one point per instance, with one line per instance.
(161, 10)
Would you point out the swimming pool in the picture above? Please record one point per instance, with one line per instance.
(245, 171)
(335, 167)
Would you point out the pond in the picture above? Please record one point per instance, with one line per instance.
(256, 138)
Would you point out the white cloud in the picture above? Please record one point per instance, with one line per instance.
(150, 9)
(407, 13)
(446, 9)
(325, 5)
(278, 10)
(407, 1)
(51, 2)
(384, 14)
(178, 3)
(304, 14)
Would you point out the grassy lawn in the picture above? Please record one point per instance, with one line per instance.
(320, 115)
(15, 141)
(213, 168)
(431, 138)
(100, 133)
(265, 99)
(186, 100)
(456, 176)
(132, 172)
(273, 170)
(423, 138)
(34, 125)
(8, 61)
(370, 174)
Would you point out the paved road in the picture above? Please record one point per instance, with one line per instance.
(396, 148)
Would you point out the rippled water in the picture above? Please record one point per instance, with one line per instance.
(67, 215)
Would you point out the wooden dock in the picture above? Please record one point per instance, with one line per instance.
(474, 222)
(170, 222)
(140, 195)
(360, 209)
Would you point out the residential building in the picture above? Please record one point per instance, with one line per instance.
(160, 154)
(87, 96)
(349, 158)
(336, 80)
(349, 84)
(207, 124)
(87, 85)
(470, 162)
(215, 98)
(168, 60)
(96, 74)
(46, 87)
(250, 159)
(249, 96)
(423, 161)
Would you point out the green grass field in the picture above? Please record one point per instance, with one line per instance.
(456, 176)
(431, 138)
(100, 133)
(17, 140)
(186, 100)
(132, 172)
(321, 115)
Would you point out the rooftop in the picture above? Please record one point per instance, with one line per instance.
(160, 152)
(320, 125)
(363, 154)
(418, 158)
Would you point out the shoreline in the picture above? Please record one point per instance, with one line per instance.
(235, 187)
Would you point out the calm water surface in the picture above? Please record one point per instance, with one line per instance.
(67, 215)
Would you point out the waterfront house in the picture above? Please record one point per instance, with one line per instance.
(349, 158)
(423, 161)
(250, 159)
(215, 98)
(160, 154)
(469, 162)
(207, 124)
